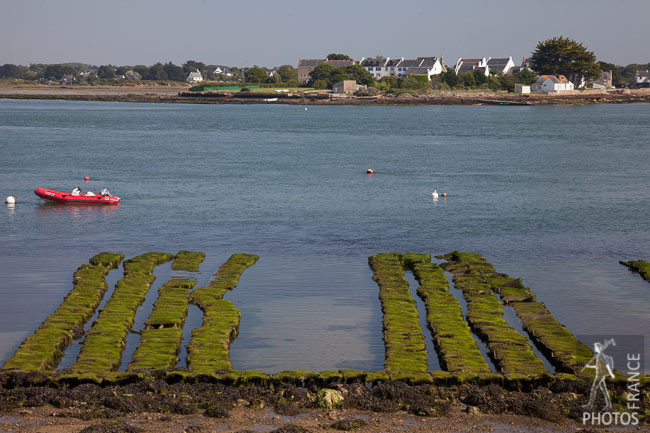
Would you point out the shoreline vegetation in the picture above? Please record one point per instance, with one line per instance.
(180, 94)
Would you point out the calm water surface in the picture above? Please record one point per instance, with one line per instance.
(555, 195)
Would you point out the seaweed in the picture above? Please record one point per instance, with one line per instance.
(188, 261)
(209, 349)
(102, 348)
(44, 348)
(457, 350)
(510, 350)
(406, 353)
(160, 341)
(640, 266)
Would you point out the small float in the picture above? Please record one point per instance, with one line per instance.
(77, 197)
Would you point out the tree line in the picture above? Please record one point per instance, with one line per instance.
(558, 55)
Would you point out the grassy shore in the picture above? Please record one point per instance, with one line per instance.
(180, 94)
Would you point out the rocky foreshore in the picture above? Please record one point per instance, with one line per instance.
(164, 94)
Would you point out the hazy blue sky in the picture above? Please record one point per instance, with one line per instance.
(276, 32)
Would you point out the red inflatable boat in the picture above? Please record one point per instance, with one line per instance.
(67, 197)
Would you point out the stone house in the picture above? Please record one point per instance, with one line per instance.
(346, 86)
(306, 66)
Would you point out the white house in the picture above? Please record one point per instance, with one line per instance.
(194, 77)
(464, 65)
(218, 71)
(400, 67)
(501, 65)
(552, 84)
(642, 78)
(380, 68)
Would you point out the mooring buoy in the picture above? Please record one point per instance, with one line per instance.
(10, 199)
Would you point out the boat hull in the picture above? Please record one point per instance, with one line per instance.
(66, 197)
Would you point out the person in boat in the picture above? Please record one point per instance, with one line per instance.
(76, 191)
(106, 193)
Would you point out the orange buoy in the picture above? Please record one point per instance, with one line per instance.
(444, 194)
(86, 178)
(370, 171)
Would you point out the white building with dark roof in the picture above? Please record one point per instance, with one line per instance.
(642, 78)
(500, 65)
(194, 77)
(401, 67)
(464, 65)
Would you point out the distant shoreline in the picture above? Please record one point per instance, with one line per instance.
(164, 94)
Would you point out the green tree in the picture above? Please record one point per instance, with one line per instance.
(9, 70)
(105, 72)
(193, 66)
(479, 76)
(143, 71)
(360, 74)
(157, 72)
(288, 73)
(329, 74)
(450, 78)
(273, 79)
(506, 82)
(525, 76)
(563, 56)
(468, 80)
(256, 75)
(174, 72)
(54, 72)
(335, 56)
(321, 72)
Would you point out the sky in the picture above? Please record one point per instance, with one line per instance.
(277, 32)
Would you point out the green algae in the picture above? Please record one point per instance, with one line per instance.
(510, 350)
(209, 348)
(44, 348)
(457, 350)
(170, 309)
(158, 349)
(640, 266)
(102, 348)
(188, 261)
(160, 341)
(474, 275)
(406, 354)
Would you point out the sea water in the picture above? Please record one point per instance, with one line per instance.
(556, 195)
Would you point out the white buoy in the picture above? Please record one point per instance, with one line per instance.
(305, 108)
(434, 194)
(10, 200)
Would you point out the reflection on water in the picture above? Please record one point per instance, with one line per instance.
(75, 212)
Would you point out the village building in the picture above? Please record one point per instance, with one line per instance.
(552, 84)
(464, 65)
(500, 65)
(194, 77)
(642, 78)
(400, 67)
(306, 66)
(525, 64)
(346, 86)
(603, 82)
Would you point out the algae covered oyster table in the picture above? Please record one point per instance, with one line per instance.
(454, 335)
